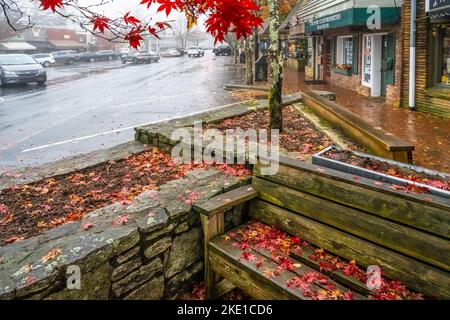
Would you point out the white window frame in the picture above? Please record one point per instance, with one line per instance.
(340, 48)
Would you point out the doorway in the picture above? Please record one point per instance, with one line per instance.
(387, 62)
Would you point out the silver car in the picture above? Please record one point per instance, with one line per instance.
(20, 68)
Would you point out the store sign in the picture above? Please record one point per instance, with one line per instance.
(337, 20)
(438, 9)
(351, 17)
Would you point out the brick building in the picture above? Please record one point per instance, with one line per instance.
(354, 45)
(432, 64)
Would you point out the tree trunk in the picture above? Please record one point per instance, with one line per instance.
(248, 61)
(275, 67)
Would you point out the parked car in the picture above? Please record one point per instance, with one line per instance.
(88, 56)
(222, 50)
(171, 53)
(66, 56)
(21, 68)
(45, 59)
(195, 52)
(141, 57)
(106, 55)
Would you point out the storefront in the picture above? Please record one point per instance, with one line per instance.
(354, 45)
(432, 65)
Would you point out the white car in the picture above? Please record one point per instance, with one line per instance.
(45, 59)
(195, 52)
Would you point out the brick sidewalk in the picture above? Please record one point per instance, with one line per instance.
(429, 134)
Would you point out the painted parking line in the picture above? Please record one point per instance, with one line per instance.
(117, 130)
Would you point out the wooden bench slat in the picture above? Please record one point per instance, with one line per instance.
(337, 275)
(400, 238)
(415, 274)
(306, 267)
(363, 194)
(226, 261)
(226, 201)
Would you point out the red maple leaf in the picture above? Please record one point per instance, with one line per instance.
(168, 5)
(51, 4)
(162, 25)
(134, 37)
(87, 226)
(120, 220)
(100, 23)
(153, 32)
(131, 19)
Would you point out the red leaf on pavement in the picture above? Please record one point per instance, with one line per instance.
(87, 226)
(121, 220)
(13, 239)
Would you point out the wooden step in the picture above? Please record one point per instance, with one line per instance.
(253, 276)
(337, 278)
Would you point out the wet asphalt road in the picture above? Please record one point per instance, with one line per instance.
(90, 106)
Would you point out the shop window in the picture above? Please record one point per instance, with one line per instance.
(344, 53)
(310, 52)
(441, 35)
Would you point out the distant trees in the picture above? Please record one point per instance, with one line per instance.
(184, 33)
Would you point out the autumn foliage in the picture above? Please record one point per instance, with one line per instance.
(237, 16)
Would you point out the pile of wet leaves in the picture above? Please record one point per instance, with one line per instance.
(348, 157)
(29, 209)
(298, 134)
(259, 236)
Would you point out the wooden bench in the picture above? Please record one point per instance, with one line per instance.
(404, 234)
(376, 140)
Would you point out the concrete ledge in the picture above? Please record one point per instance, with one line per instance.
(375, 140)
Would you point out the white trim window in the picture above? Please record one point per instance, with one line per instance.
(344, 52)
(367, 61)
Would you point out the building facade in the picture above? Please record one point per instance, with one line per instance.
(431, 91)
(355, 45)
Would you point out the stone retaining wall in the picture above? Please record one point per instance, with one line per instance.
(149, 249)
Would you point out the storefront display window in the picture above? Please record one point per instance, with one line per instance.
(441, 34)
(367, 60)
(445, 72)
(310, 52)
(344, 54)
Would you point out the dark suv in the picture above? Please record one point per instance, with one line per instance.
(66, 56)
(222, 50)
(20, 68)
(106, 55)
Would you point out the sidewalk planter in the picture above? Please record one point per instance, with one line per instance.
(321, 160)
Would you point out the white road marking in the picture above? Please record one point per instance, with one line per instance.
(116, 130)
(1, 99)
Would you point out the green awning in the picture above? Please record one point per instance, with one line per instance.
(351, 17)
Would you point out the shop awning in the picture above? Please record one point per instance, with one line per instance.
(331, 14)
(17, 46)
(67, 44)
(439, 10)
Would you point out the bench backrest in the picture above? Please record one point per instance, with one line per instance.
(407, 236)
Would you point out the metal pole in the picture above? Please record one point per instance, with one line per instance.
(412, 57)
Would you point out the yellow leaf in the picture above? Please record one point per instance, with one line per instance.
(191, 21)
(52, 254)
